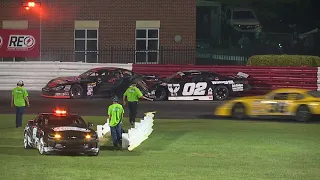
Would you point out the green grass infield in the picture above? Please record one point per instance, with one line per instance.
(177, 149)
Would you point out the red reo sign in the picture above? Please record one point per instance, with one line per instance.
(19, 43)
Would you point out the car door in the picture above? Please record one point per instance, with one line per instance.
(122, 80)
(277, 104)
(105, 82)
(193, 85)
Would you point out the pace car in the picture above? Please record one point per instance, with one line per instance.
(61, 131)
(299, 104)
(198, 85)
(104, 81)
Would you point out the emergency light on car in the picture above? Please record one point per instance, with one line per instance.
(59, 112)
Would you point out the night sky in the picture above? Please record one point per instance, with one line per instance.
(305, 15)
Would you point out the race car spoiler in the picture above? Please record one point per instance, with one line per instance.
(240, 75)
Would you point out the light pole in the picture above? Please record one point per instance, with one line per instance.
(28, 6)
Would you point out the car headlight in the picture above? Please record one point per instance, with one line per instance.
(91, 136)
(88, 136)
(54, 136)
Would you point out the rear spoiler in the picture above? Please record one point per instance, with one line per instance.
(240, 75)
(142, 86)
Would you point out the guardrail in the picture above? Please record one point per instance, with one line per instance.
(262, 79)
(36, 74)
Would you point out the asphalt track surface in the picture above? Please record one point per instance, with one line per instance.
(98, 106)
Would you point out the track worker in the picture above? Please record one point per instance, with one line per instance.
(19, 100)
(133, 94)
(115, 116)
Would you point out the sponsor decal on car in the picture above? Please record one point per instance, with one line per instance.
(69, 128)
(223, 82)
(62, 94)
(237, 87)
(90, 87)
(173, 89)
(67, 87)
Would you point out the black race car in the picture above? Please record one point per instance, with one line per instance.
(61, 132)
(198, 85)
(97, 82)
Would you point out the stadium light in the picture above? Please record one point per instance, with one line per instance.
(29, 5)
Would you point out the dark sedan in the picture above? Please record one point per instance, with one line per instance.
(61, 132)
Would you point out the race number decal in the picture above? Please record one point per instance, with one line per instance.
(34, 133)
(196, 89)
(280, 107)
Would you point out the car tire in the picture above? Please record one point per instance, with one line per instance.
(163, 92)
(76, 91)
(220, 93)
(93, 153)
(238, 111)
(41, 146)
(26, 143)
(303, 114)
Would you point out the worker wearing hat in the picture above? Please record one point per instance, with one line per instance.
(19, 100)
(133, 94)
(115, 116)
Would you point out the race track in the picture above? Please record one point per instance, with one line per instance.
(98, 106)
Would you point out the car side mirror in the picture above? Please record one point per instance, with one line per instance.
(30, 122)
(90, 124)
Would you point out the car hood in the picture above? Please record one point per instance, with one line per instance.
(63, 80)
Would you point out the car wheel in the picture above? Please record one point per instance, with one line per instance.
(41, 146)
(303, 114)
(161, 94)
(26, 143)
(238, 111)
(76, 91)
(221, 93)
(93, 153)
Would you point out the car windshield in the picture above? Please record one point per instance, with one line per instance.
(175, 75)
(85, 74)
(67, 120)
(243, 15)
(315, 94)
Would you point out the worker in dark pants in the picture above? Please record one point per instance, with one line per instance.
(115, 116)
(133, 94)
(19, 100)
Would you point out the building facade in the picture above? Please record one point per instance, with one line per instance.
(117, 31)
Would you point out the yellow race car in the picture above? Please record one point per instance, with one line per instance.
(301, 104)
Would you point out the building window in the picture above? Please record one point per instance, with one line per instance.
(86, 45)
(12, 59)
(147, 45)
